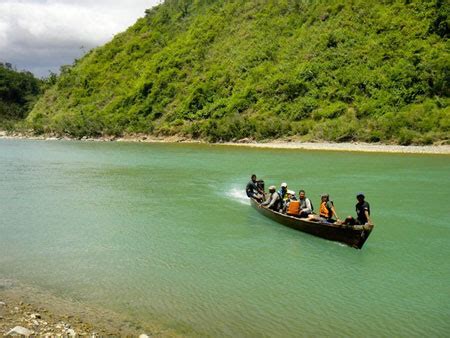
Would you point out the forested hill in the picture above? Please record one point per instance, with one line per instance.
(338, 70)
(18, 92)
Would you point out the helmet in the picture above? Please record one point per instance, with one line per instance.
(284, 185)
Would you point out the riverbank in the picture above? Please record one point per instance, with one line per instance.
(271, 144)
(25, 319)
(28, 311)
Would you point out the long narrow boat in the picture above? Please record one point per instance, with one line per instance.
(354, 236)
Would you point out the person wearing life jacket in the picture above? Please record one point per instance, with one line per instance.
(327, 211)
(306, 207)
(291, 195)
(292, 205)
(273, 201)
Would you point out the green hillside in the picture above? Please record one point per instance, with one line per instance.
(18, 92)
(337, 70)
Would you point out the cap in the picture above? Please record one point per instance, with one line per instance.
(291, 192)
(272, 187)
(284, 185)
(360, 194)
(324, 195)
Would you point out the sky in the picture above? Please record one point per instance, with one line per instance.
(42, 35)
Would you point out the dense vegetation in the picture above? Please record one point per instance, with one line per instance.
(18, 93)
(335, 70)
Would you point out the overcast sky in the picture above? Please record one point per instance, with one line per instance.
(42, 35)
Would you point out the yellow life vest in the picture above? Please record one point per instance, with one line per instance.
(294, 208)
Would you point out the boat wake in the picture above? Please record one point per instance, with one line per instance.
(238, 195)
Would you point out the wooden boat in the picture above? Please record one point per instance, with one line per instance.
(354, 236)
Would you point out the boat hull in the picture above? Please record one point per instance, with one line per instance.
(352, 236)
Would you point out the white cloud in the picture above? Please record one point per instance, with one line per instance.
(42, 35)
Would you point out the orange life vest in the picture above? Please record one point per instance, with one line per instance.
(324, 211)
(294, 208)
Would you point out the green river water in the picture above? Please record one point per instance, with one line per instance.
(163, 233)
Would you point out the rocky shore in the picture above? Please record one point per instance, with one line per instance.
(18, 318)
(24, 319)
(29, 311)
(271, 144)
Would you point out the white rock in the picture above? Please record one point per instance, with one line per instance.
(20, 331)
(2, 303)
(143, 336)
(35, 316)
(71, 332)
(35, 322)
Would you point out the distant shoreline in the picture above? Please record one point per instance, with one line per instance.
(272, 144)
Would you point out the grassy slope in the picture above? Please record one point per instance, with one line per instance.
(332, 70)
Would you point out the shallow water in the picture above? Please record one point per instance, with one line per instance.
(164, 233)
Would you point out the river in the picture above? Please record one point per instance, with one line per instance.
(163, 233)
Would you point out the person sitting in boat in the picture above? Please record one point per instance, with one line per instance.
(306, 207)
(362, 209)
(291, 196)
(274, 200)
(288, 204)
(327, 211)
(252, 189)
(362, 212)
(293, 205)
(283, 191)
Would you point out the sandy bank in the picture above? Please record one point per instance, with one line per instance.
(273, 144)
(361, 147)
